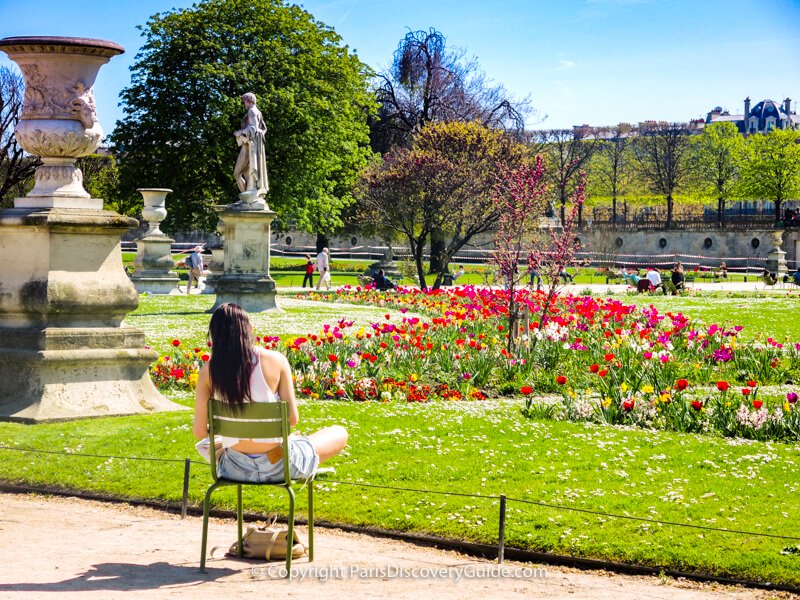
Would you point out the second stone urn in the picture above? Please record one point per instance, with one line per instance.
(153, 263)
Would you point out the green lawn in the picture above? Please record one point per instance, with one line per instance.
(480, 448)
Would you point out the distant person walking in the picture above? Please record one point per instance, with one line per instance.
(195, 263)
(324, 266)
(309, 272)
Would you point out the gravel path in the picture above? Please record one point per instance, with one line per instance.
(70, 548)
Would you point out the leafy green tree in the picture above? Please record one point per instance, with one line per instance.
(183, 106)
(445, 182)
(771, 167)
(717, 155)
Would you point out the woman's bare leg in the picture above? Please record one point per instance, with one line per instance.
(329, 442)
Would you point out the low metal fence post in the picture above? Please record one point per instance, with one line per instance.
(501, 542)
(187, 465)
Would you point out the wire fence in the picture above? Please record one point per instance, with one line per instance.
(502, 498)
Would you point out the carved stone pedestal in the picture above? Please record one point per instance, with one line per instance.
(154, 250)
(246, 280)
(64, 350)
(217, 265)
(776, 259)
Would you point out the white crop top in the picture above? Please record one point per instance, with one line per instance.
(259, 392)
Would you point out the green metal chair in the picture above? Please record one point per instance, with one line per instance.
(256, 420)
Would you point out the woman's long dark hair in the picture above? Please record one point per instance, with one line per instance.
(232, 354)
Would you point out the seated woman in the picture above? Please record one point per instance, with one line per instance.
(240, 372)
(630, 276)
(678, 277)
(723, 271)
(382, 282)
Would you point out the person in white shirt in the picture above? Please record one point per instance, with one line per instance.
(654, 277)
(323, 266)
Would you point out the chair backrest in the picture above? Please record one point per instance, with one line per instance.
(768, 280)
(253, 420)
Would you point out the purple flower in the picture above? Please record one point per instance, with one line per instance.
(466, 376)
(351, 364)
(723, 354)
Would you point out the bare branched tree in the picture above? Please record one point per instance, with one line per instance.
(568, 151)
(662, 153)
(16, 167)
(613, 164)
(428, 82)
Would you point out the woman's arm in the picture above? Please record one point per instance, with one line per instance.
(201, 395)
(286, 389)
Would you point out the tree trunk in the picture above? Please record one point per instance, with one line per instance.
(614, 208)
(721, 211)
(778, 202)
(670, 207)
(438, 244)
(322, 242)
(417, 251)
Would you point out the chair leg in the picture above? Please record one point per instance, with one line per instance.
(311, 521)
(206, 511)
(290, 534)
(239, 520)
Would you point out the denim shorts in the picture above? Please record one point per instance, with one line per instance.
(303, 463)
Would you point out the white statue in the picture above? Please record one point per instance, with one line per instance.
(251, 165)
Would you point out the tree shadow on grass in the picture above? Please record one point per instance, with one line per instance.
(125, 577)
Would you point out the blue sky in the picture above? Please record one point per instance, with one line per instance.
(580, 61)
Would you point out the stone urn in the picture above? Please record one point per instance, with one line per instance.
(65, 349)
(154, 210)
(59, 121)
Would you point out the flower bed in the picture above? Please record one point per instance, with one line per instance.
(610, 361)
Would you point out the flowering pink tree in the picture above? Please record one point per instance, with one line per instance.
(521, 200)
(522, 246)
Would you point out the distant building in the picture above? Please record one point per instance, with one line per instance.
(761, 118)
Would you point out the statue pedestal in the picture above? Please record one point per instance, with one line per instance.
(153, 263)
(64, 350)
(776, 259)
(246, 280)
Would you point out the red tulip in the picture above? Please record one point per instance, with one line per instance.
(723, 386)
(603, 373)
(526, 389)
(681, 384)
(594, 368)
(757, 404)
(752, 383)
(561, 380)
(697, 405)
(176, 343)
(746, 391)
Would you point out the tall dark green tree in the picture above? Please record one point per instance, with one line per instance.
(183, 106)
